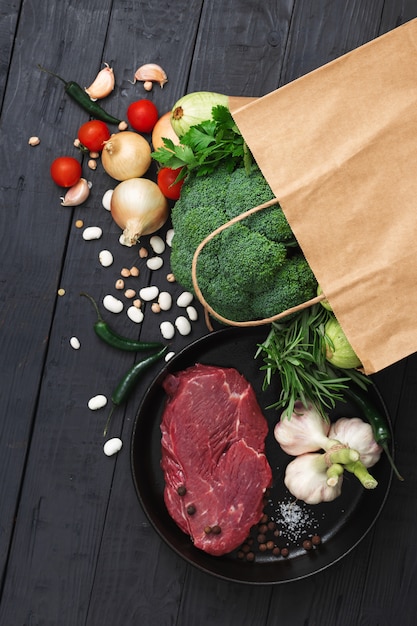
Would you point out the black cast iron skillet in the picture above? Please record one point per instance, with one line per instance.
(341, 524)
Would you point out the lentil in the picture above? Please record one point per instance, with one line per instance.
(79, 224)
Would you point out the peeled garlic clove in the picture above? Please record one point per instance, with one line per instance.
(151, 72)
(77, 194)
(102, 85)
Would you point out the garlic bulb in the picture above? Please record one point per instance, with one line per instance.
(303, 431)
(77, 194)
(306, 479)
(102, 85)
(357, 434)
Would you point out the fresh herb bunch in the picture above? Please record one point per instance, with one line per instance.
(204, 146)
(296, 350)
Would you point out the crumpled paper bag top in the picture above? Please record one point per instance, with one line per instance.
(338, 147)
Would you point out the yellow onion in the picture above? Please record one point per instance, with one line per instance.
(195, 108)
(163, 129)
(139, 208)
(126, 155)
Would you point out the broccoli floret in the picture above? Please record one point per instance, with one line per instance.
(294, 284)
(251, 270)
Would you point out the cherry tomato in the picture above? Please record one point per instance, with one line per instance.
(166, 182)
(142, 115)
(93, 134)
(66, 171)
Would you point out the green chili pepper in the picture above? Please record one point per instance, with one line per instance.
(127, 383)
(81, 97)
(103, 330)
(380, 427)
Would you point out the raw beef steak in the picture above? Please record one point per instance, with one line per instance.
(213, 441)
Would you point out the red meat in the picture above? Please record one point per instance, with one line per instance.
(213, 441)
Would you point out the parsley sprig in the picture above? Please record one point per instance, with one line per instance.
(296, 350)
(206, 145)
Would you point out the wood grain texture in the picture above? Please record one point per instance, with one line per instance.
(75, 546)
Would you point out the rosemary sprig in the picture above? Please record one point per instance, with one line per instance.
(296, 350)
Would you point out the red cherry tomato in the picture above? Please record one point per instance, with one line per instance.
(93, 134)
(66, 171)
(142, 115)
(166, 182)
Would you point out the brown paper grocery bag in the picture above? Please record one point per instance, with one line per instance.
(339, 150)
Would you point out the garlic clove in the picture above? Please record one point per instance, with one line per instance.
(102, 85)
(151, 72)
(77, 194)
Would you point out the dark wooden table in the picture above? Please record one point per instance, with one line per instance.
(75, 546)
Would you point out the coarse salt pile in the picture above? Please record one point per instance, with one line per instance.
(294, 520)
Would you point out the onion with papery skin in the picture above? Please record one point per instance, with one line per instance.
(126, 155)
(163, 129)
(195, 108)
(139, 208)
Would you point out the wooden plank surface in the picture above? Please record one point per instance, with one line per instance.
(75, 546)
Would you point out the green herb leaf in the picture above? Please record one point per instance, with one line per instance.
(206, 145)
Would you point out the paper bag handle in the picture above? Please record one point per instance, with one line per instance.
(209, 309)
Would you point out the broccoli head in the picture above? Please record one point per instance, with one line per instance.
(254, 268)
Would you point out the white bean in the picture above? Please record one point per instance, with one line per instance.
(184, 299)
(165, 300)
(106, 258)
(97, 402)
(92, 232)
(149, 293)
(155, 263)
(167, 330)
(112, 446)
(182, 324)
(75, 343)
(157, 244)
(107, 199)
(169, 236)
(112, 304)
(192, 313)
(169, 355)
(135, 314)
